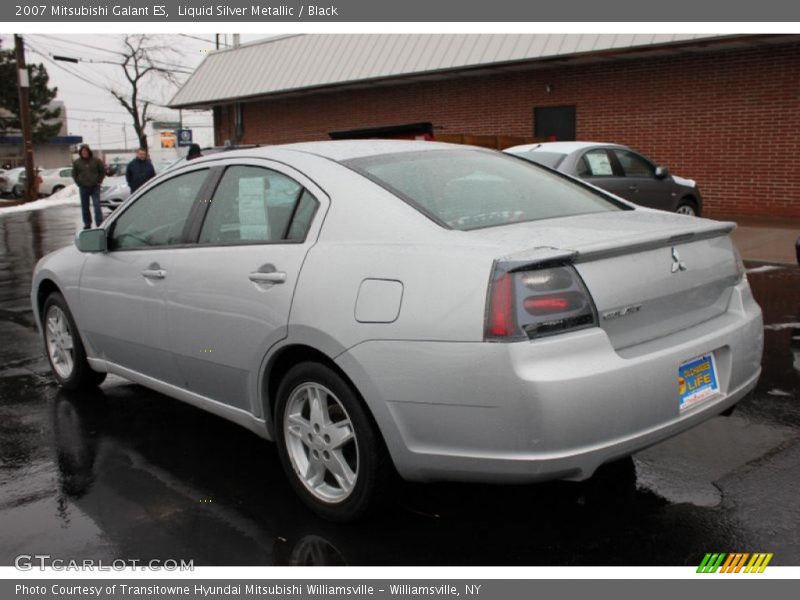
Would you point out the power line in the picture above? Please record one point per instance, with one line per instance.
(64, 47)
(84, 79)
(194, 37)
(104, 122)
(176, 67)
(83, 45)
(65, 69)
(92, 110)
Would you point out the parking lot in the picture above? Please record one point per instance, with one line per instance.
(126, 472)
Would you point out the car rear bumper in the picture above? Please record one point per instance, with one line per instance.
(556, 408)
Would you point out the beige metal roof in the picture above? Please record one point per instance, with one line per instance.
(301, 62)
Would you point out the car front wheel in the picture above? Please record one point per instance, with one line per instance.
(328, 445)
(65, 350)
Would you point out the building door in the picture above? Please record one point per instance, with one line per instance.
(554, 123)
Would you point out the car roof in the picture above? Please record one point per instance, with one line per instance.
(559, 147)
(343, 150)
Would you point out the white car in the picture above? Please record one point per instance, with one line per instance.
(445, 312)
(11, 182)
(54, 180)
(114, 191)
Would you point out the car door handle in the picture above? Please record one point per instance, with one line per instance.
(154, 273)
(271, 277)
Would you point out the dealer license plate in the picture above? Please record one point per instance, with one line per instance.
(697, 381)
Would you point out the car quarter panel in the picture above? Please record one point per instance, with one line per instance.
(371, 234)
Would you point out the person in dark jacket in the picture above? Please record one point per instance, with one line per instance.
(88, 173)
(194, 152)
(139, 171)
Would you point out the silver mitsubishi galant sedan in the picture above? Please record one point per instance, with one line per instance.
(445, 312)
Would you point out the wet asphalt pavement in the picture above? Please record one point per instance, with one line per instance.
(129, 473)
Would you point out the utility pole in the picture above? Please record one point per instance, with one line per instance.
(23, 84)
(99, 135)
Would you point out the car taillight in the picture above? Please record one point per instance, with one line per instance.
(501, 315)
(533, 303)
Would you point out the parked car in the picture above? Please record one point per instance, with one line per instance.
(619, 170)
(54, 180)
(114, 191)
(19, 188)
(448, 312)
(11, 185)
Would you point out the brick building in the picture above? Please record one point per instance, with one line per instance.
(724, 110)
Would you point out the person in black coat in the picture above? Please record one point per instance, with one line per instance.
(194, 152)
(139, 171)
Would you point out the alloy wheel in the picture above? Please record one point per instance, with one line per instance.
(60, 345)
(321, 442)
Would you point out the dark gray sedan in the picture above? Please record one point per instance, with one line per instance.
(619, 170)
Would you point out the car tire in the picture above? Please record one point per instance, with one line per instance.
(16, 191)
(56, 188)
(64, 347)
(688, 207)
(328, 444)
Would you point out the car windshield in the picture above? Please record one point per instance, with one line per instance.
(469, 189)
(548, 159)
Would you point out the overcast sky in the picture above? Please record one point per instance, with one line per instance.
(82, 86)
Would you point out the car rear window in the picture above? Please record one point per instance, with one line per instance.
(472, 189)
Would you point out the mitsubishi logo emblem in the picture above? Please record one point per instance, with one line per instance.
(677, 263)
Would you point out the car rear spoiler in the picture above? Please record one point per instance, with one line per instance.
(542, 255)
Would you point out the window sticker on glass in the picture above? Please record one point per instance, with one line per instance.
(599, 163)
(252, 208)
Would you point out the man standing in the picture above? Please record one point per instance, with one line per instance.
(194, 152)
(88, 173)
(139, 171)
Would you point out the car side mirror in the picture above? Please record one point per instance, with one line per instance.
(92, 240)
(662, 172)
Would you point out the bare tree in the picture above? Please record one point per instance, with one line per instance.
(144, 60)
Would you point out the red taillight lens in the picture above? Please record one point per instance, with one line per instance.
(556, 303)
(547, 305)
(501, 308)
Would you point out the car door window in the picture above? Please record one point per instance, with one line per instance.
(634, 165)
(65, 173)
(301, 222)
(256, 205)
(595, 163)
(158, 217)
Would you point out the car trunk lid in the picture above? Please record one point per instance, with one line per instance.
(649, 273)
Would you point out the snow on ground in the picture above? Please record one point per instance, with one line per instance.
(66, 197)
